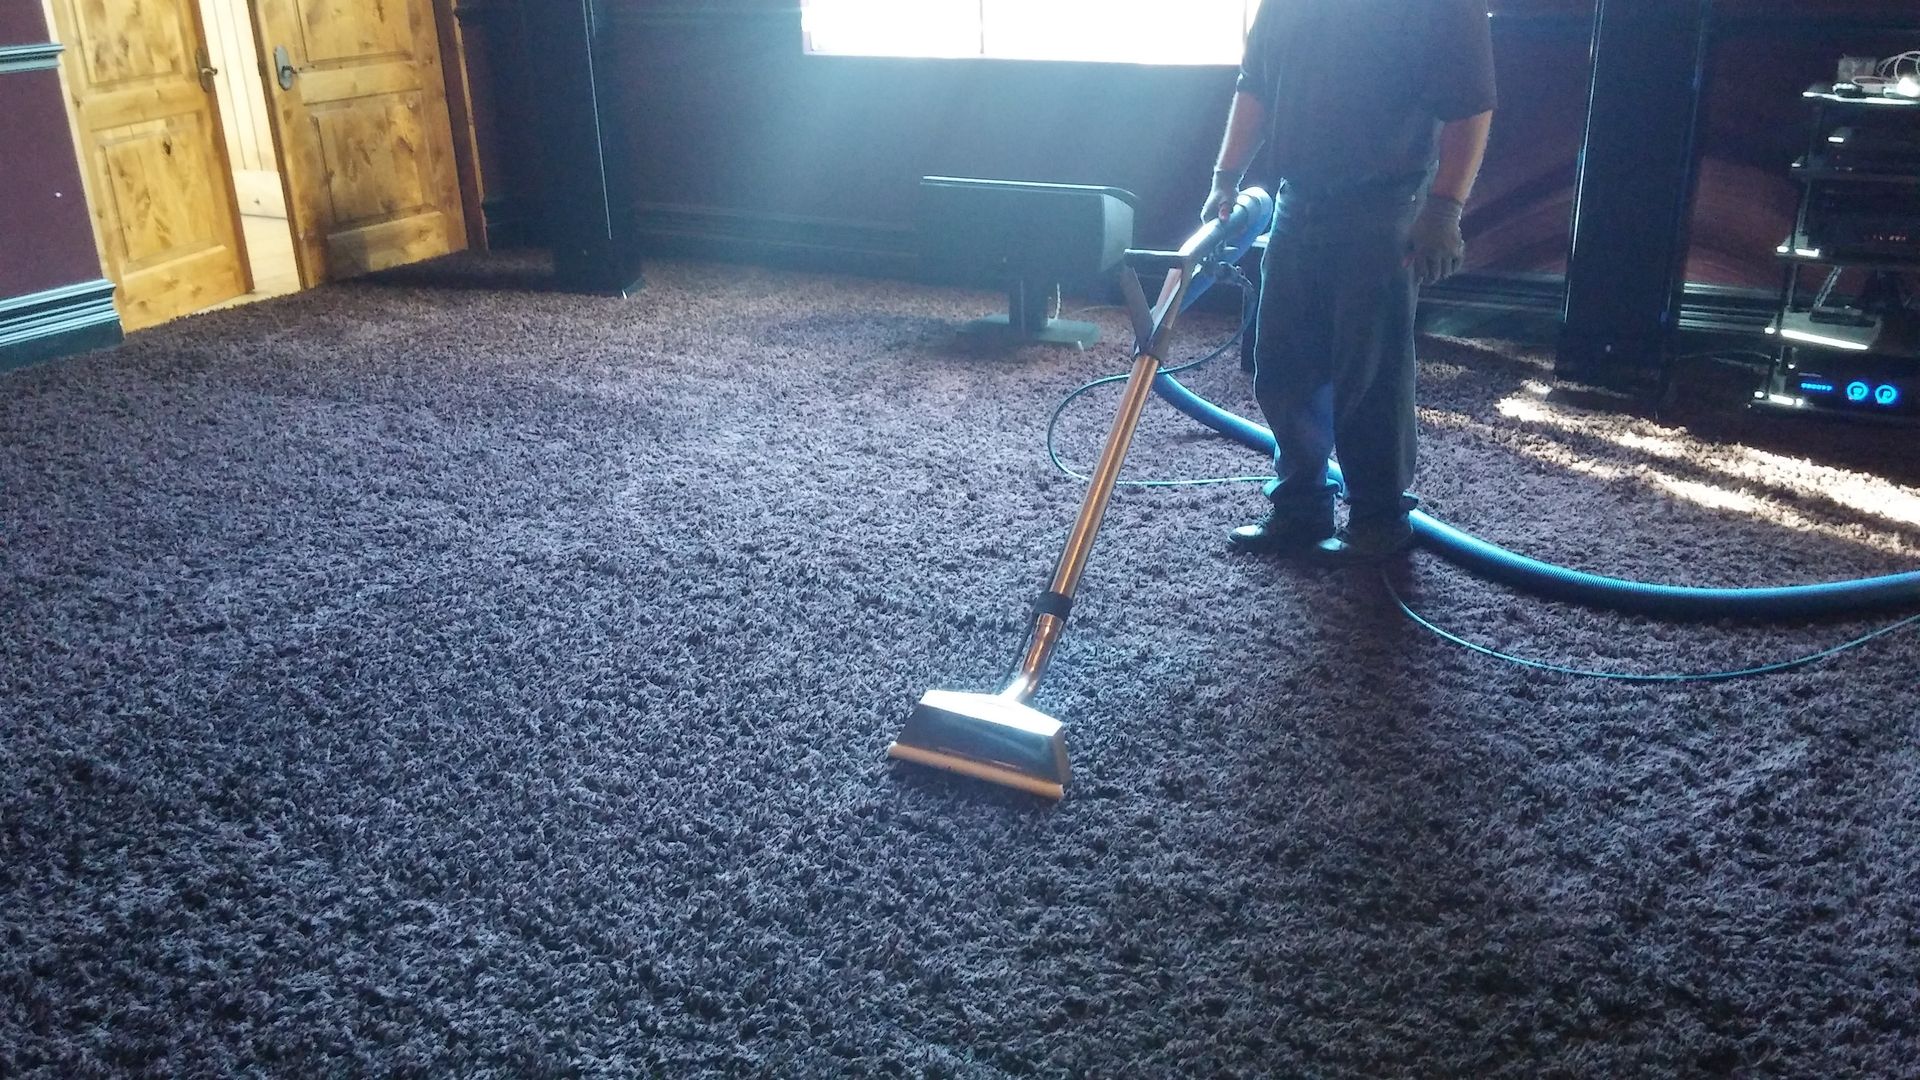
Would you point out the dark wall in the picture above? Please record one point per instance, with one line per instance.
(727, 115)
(736, 135)
(22, 24)
(46, 237)
(729, 118)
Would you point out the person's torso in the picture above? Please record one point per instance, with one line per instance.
(1351, 105)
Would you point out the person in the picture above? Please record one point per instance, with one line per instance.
(1370, 119)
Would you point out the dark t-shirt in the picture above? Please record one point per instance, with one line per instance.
(1356, 90)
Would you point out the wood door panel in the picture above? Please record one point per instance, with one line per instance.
(180, 286)
(339, 84)
(356, 30)
(375, 155)
(127, 42)
(393, 243)
(156, 172)
(158, 175)
(105, 112)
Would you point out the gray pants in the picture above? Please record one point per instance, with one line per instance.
(1333, 352)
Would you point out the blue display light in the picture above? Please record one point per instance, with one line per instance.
(1858, 391)
(1809, 387)
(1887, 394)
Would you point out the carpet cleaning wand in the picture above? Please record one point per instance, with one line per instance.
(1000, 737)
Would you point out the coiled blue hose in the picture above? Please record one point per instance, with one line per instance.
(1575, 586)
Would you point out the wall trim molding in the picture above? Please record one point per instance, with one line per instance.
(57, 322)
(1727, 309)
(696, 14)
(1815, 26)
(18, 58)
(785, 240)
(1522, 24)
(1522, 306)
(658, 16)
(1526, 307)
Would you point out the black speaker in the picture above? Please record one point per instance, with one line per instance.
(588, 198)
(1026, 238)
(1626, 267)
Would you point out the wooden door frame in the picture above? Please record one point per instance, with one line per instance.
(466, 137)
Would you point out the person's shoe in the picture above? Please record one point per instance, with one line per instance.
(1281, 532)
(1366, 541)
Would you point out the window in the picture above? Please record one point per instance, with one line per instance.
(1115, 31)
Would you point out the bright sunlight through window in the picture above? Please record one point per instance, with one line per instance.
(1114, 31)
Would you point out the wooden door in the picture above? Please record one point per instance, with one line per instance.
(366, 148)
(155, 160)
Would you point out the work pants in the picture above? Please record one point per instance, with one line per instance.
(1333, 352)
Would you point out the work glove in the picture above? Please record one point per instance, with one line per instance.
(1226, 188)
(1435, 248)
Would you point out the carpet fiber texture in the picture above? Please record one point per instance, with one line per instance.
(442, 676)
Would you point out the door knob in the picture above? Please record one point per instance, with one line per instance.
(283, 65)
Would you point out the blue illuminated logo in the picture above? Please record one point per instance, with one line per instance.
(1816, 387)
(1858, 391)
(1887, 394)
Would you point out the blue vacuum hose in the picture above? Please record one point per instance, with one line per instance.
(1560, 583)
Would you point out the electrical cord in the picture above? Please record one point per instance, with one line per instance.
(1053, 422)
(1890, 73)
(1622, 676)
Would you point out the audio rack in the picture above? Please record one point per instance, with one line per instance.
(1851, 346)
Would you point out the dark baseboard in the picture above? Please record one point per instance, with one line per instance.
(1518, 307)
(1726, 309)
(57, 322)
(785, 241)
(1525, 308)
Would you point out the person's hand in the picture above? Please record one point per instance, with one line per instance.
(1435, 248)
(1226, 189)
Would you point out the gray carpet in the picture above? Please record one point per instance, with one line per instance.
(438, 676)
